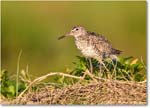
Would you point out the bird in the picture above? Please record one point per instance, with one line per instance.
(92, 45)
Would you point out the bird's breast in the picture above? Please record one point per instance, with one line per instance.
(86, 48)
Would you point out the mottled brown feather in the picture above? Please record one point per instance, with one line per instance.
(93, 45)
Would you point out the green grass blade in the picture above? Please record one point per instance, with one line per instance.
(17, 77)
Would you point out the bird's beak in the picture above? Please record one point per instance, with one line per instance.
(66, 35)
(61, 37)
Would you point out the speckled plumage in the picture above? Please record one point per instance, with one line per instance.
(92, 45)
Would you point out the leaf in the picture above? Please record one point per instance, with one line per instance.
(61, 79)
(128, 60)
(21, 86)
(138, 77)
(11, 90)
(23, 74)
(134, 61)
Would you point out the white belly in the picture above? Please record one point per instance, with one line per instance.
(86, 49)
(89, 52)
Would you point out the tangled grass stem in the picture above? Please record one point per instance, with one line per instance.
(47, 75)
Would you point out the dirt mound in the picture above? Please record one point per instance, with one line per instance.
(101, 92)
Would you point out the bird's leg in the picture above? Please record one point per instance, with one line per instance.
(101, 62)
(100, 69)
(91, 65)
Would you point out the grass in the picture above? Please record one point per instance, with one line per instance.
(124, 71)
(17, 77)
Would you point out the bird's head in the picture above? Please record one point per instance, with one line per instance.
(76, 31)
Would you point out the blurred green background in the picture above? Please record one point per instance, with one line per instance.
(35, 26)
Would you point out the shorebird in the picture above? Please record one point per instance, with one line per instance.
(92, 45)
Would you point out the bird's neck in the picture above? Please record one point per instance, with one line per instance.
(81, 36)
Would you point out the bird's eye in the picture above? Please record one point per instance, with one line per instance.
(77, 29)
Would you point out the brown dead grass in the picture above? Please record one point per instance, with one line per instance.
(102, 92)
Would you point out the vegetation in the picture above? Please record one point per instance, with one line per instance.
(124, 69)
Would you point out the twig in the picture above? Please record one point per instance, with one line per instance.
(91, 75)
(47, 75)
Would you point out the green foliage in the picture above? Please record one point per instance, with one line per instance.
(84, 64)
(125, 68)
(8, 85)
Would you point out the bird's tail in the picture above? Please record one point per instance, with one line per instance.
(115, 51)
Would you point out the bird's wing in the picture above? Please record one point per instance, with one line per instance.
(101, 44)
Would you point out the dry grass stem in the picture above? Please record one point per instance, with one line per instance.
(48, 75)
(102, 92)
